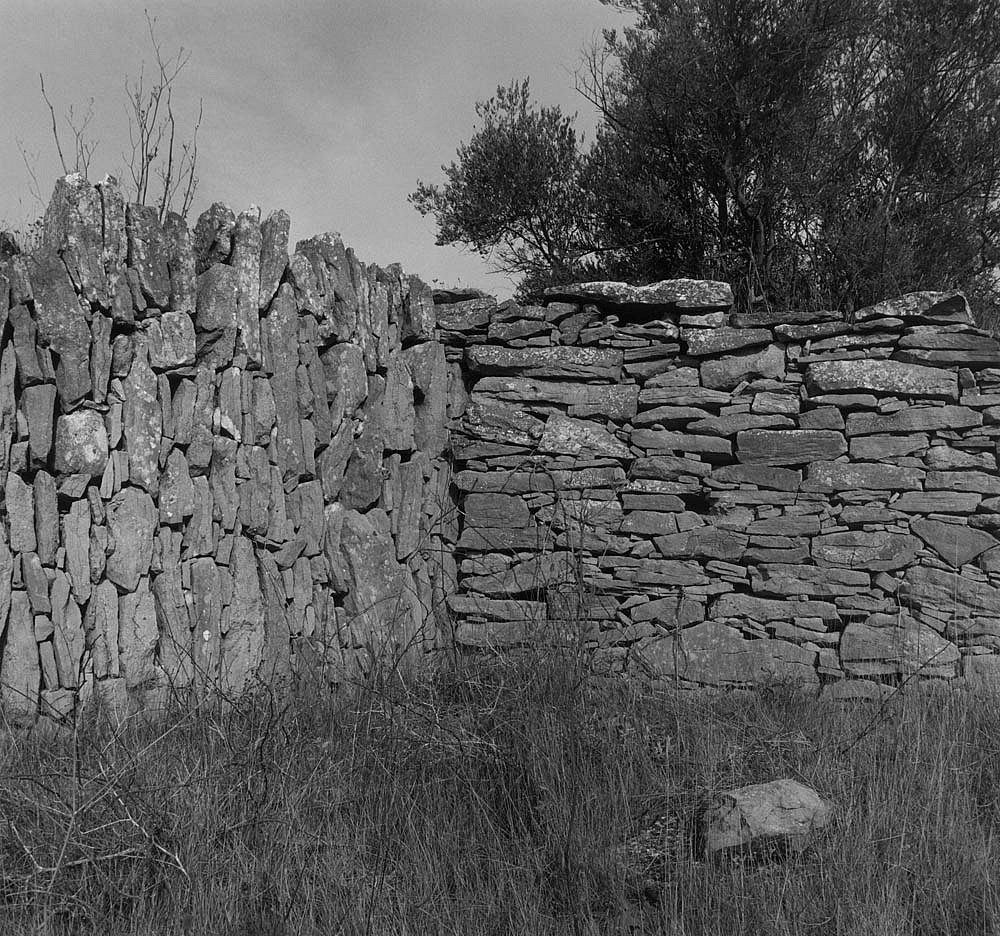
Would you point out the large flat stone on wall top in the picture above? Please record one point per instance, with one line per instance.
(943, 307)
(879, 376)
(687, 294)
(598, 364)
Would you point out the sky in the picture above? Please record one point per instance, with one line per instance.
(329, 110)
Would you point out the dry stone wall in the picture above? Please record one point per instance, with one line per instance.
(222, 463)
(720, 498)
(227, 465)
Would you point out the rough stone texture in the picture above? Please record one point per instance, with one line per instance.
(61, 326)
(567, 436)
(789, 447)
(170, 340)
(910, 380)
(148, 253)
(687, 294)
(782, 815)
(376, 601)
(280, 336)
(715, 654)
(942, 307)
(594, 364)
(896, 644)
(73, 228)
(81, 444)
(138, 635)
(727, 372)
(956, 543)
(837, 476)
(273, 255)
(320, 274)
(20, 673)
(132, 520)
(877, 551)
(936, 596)
(143, 421)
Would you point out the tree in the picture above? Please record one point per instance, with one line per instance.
(811, 152)
(517, 195)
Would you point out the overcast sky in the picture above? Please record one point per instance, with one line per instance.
(329, 109)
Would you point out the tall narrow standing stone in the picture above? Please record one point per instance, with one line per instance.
(246, 262)
(46, 517)
(143, 423)
(280, 329)
(20, 672)
(273, 255)
(132, 520)
(39, 405)
(68, 638)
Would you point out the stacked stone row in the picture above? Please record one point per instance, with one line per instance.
(221, 463)
(723, 498)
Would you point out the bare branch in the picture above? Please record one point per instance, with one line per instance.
(55, 129)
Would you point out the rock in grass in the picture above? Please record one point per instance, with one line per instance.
(766, 818)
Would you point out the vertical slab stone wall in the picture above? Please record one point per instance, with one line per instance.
(722, 498)
(222, 463)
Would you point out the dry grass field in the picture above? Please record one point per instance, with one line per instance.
(498, 798)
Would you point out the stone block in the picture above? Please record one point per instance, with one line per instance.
(789, 447)
(586, 364)
(131, 521)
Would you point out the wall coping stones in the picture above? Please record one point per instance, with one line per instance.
(687, 294)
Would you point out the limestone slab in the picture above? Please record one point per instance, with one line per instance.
(781, 580)
(876, 551)
(564, 435)
(879, 376)
(726, 373)
(896, 644)
(956, 543)
(131, 520)
(789, 447)
(842, 476)
(712, 653)
(588, 364)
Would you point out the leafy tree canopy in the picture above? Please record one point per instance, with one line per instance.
(811, 152)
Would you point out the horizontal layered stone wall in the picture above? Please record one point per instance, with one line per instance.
(222, 463)
(724, 498)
